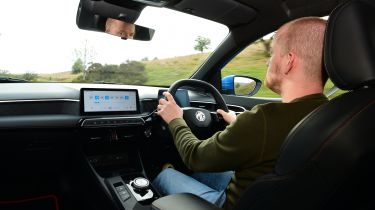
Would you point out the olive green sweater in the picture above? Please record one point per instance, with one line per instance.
(249, 146)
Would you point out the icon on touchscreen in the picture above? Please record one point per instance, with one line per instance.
(106, 97)
(96, 97)
(126, 97)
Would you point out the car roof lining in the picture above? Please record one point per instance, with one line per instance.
(236, 13)
(227, 12)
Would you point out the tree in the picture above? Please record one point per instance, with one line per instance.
(202, 43)
(86, 54)
(4, 73)
(267, 45)
(131, 73)
(29, 76)
(78, 66)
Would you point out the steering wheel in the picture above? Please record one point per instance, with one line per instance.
(201, 121)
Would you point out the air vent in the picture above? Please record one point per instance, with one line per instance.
(149, 105)
(236, 108)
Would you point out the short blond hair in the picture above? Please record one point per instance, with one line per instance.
(305, 37)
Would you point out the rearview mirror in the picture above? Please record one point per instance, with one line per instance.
(240, 85)
(88, 20)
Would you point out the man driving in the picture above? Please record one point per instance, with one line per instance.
(251, 142)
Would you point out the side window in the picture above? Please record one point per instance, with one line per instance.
(252, 62)
(331, 91)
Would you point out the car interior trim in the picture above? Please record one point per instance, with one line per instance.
(40, 100)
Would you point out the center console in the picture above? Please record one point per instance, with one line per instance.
(131, 192)
(113, 131)
(113, 153)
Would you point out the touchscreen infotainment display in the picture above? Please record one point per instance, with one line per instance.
(119, 101)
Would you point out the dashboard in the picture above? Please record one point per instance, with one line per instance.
(67, 105)
(107, 133)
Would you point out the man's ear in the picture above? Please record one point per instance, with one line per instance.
(291, 62)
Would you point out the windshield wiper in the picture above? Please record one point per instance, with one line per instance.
(11, 80)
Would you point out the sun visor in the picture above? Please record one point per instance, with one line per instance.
(300, 8)
(228, 12)
(106, 9)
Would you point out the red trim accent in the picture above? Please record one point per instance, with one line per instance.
(53, 197)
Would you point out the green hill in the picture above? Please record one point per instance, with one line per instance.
(250, 62)
(166, 71)
(163, 72)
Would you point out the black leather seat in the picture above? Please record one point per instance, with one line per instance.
(328, 159)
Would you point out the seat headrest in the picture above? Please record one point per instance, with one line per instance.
(349, 45)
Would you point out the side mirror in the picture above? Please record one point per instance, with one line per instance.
(89, 19)
(240, 85)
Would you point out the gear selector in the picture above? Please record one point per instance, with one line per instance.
(140, 188)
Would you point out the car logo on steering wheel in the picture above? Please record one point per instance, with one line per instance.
(200, 116)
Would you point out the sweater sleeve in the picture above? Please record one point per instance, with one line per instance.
(241, 143)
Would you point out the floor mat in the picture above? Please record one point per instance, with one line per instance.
(48, 202)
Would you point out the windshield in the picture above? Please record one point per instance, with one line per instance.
(41, 43)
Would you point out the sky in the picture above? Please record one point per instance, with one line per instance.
(41, 36)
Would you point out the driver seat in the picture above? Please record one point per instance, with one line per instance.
(328, 159)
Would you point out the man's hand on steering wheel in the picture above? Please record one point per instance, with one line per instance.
(201, 121)
(168, 109)
(229, 117)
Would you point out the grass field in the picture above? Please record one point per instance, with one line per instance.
(163, 72)
(65, 76)
(166, 71)
(250, 62)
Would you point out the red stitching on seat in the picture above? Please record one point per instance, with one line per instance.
(53, 197)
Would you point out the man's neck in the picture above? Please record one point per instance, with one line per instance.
(293, 91)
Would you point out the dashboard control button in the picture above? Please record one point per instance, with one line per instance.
(123, 192)
(117, 121)
(120, 188)
(125, 197)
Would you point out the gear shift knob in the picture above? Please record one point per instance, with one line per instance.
(140, 184)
